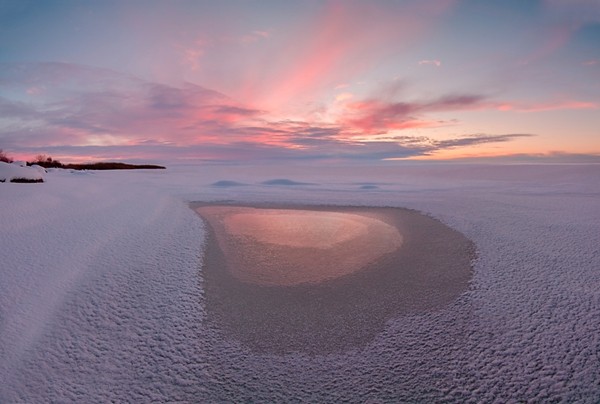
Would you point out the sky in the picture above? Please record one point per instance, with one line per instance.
(307, 81)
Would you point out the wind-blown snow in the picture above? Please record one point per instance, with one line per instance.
(101, 290)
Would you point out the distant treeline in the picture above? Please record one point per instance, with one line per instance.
(97, 166)
(49, 162)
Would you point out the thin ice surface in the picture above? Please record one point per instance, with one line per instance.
(101, 292)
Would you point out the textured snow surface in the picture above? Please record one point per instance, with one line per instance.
(101, 289)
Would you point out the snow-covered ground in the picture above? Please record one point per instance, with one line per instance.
(102, 293)
(19, 171)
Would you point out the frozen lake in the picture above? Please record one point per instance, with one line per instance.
(102, 293)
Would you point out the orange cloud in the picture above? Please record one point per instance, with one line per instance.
(550, 106)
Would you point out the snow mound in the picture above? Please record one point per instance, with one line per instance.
(227, 183)
(16, 171)
(284, 182)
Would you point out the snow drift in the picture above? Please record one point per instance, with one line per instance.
(20, 172)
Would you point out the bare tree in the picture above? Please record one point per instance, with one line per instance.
(4, 157)
(46, 161)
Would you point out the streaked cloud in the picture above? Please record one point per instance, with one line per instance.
(334, 49)
(432, 62)
(547, 106)
(126, 114)
(254, 36)
(374, 115)
(301, 79)
(477, 139)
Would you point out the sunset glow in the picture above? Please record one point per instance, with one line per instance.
(311, 80)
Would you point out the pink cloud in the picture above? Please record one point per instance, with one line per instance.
(333, 49)
(107, 112)
(592, 62)
(35, 90)
(575, 12)
(548, 106)
(567, 18)
(433, 62)
(379, 116)
(255, 36)
(191, 57)
(120, 109)
(554, 38)
(192, 53)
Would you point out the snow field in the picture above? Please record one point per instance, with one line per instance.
(101, 292)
